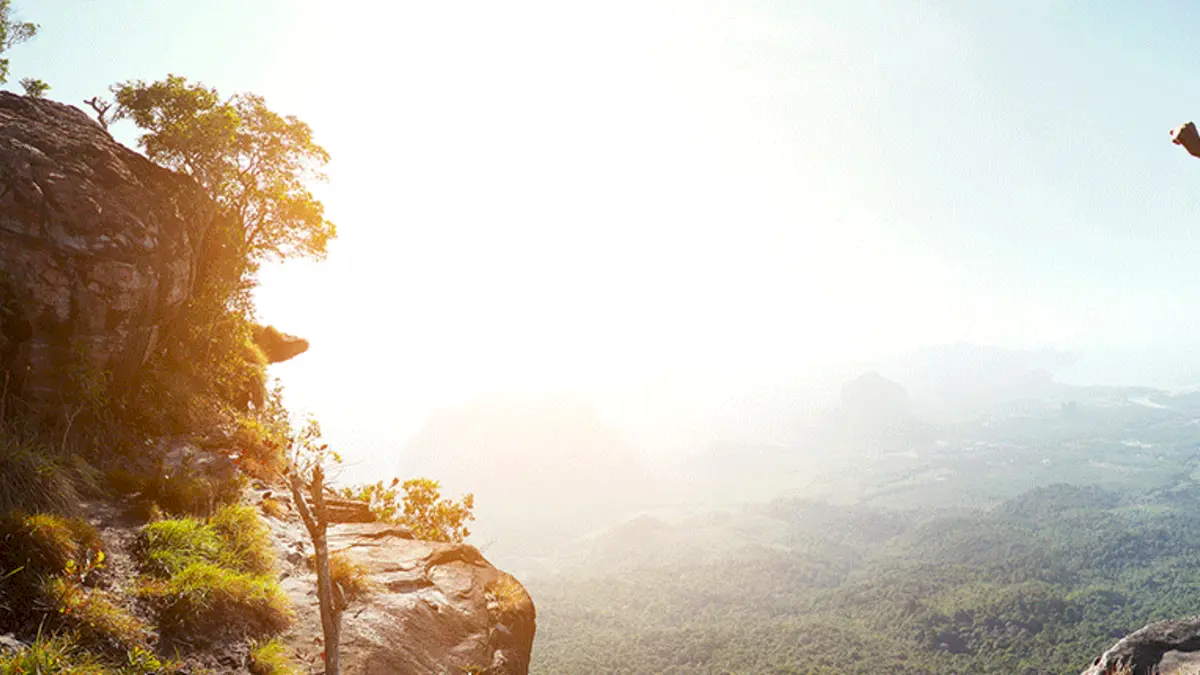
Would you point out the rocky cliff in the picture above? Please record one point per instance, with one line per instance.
(98, 251)
(1163, 648)
(98, 246)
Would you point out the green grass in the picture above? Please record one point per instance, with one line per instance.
(35, 478)
(215, 575)
(270, 658)
(94, 617)
(45, 544)
(205, 598)
(51, 654)
(168, 546)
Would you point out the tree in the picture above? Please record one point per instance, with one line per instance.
(254, 162)
(12, 33)
(306, 478)
(34, 87)
(422, 508)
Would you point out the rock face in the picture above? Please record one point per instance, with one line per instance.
(1163, 648)
(435, 608)
(97, 248)
(276, 346)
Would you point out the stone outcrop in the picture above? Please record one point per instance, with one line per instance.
(98, 248)
(277, 346)
(433, 608)
(1163, 648)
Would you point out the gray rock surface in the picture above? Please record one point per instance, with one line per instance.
(97, 248)
(1163, 648)
(434, 607)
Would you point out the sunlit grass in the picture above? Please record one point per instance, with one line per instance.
(270, 658)
(214, 575)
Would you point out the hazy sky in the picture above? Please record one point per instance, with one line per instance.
(568, 194)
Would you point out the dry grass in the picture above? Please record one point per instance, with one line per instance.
(508, 594)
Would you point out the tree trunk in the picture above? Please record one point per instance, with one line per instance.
(317, 524)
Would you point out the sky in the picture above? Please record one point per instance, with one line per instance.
(567, 195)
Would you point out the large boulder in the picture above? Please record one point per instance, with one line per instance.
(98, 248)
(434, 608)
(1163, 648)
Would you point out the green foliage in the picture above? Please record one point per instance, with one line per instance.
(247, 540)
(51, 654)
(37, 477)
(253, 161)
(213, 576)
(168, 546)
(44, 544)
(1040, 584)
(184, 492)
(12, 33)
(204, 599)
(34, 87)
(260, 442)
(270, 658)
(421, 508)
(93, 615)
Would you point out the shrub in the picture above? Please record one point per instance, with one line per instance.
(182, 492)
(421, 508)
(270, 658)
(260, 446)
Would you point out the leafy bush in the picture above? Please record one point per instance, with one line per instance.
(422, 508)
(182, 492)
(260, 445)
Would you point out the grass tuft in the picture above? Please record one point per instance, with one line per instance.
(93, 616)
(34, 478)
(213, 576)
(246, 537)
(51, 654)
(204, 598)
(270, 658)
(508, 594)
(43, 544)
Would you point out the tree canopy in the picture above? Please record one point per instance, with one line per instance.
(254, 162)
(11, 33)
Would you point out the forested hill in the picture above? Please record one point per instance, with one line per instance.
(1042, 583)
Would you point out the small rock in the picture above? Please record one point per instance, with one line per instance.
(10, 643)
